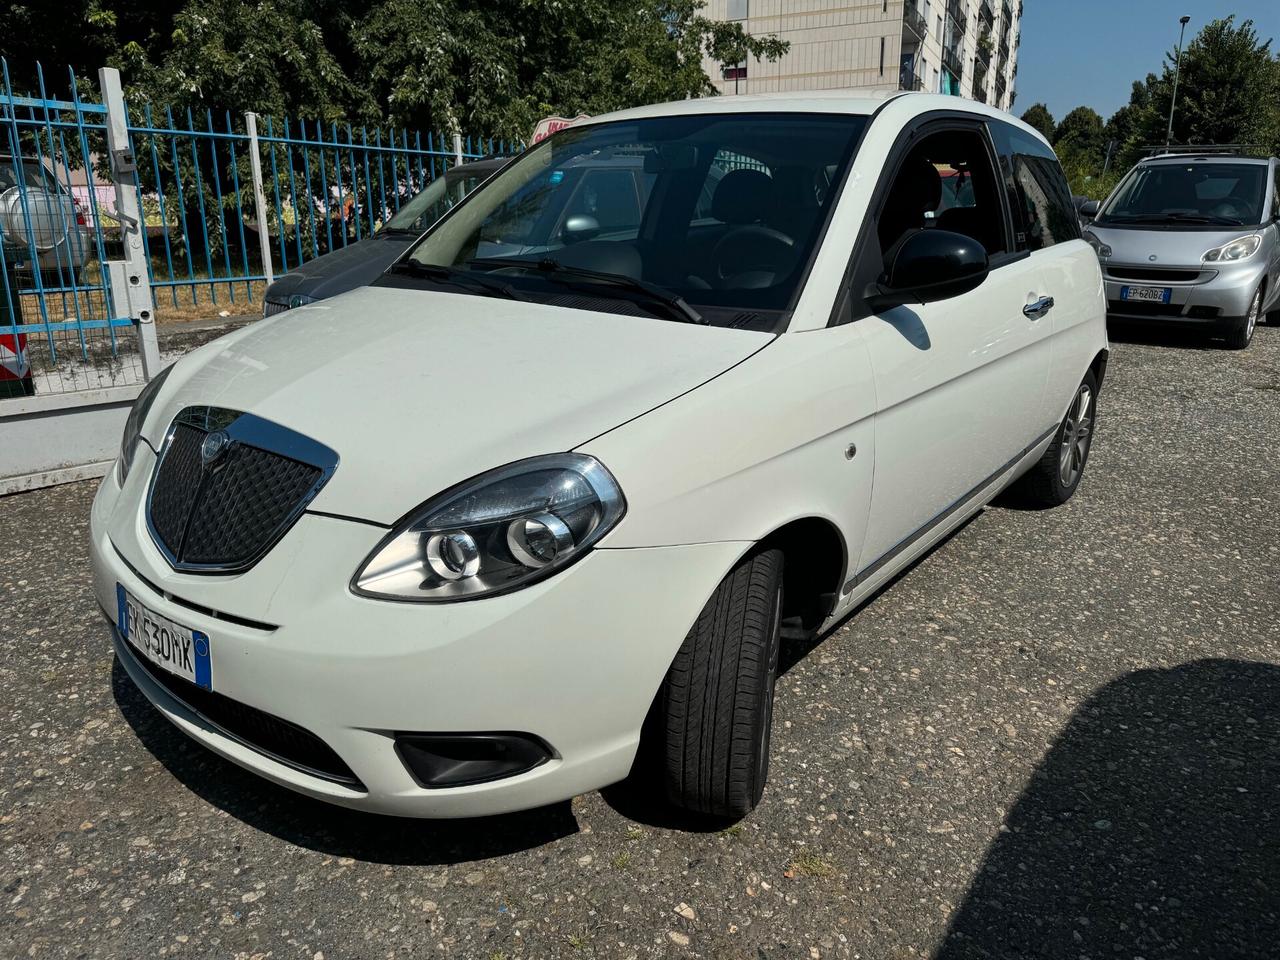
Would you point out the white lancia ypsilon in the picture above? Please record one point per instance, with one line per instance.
(532, 512)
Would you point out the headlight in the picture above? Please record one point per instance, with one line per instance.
(1241, 249)
(300, 300)
(137, 417)
(1101, 249)
(499, 532)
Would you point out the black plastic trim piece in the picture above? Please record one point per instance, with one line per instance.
(448, 765)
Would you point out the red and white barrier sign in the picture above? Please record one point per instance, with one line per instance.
(14, 364)
(549, 125)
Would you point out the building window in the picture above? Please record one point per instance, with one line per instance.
(736, 71)
(882, 56)
(737, 10)
(938, 30)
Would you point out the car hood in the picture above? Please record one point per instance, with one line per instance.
(346, 268)
(1164, 248)
(419, 390)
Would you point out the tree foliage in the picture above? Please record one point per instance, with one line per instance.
(490, 69)
(1038, 116)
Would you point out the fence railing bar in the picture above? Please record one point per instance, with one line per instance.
(337, 177)
(182, 209)
(275, 185)
(368, 180)
(55, 327)
(97, 214)
(293, 196)
(164, 214)
(382, 180)
(235, 180)
(57, 202)
(395, 168)
(220, 207)
(324, 187)
(355, 185)
(311, 197)
(204, 223)
(15, 142)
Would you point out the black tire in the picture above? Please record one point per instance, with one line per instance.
(1049, 483)
(1240, 333)
(716, 704)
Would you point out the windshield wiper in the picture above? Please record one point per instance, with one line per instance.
(676, 307)
(1206, 218)
(1170, 218)
(475, 282)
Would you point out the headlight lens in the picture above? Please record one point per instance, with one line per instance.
(137, 417)
(300, 300)
(1241, 249)
(499, 532)
(1100, 248)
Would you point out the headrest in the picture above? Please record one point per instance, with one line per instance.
(743, 196)
(919, 180)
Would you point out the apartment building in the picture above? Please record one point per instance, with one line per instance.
(968, 48)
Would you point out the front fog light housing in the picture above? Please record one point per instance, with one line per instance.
(1240, 249)
(499, 532)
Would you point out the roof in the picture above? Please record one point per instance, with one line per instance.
(1183, 158)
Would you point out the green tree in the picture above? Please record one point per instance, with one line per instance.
(1081, 136)
(1038, 116)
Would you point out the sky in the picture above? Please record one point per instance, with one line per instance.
(1089, 52)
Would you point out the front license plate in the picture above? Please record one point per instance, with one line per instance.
(170, 646)
(1147, 294)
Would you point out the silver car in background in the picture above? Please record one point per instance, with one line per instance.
(1193, 239)
(42, 224)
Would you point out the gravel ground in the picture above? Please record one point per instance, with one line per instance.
(1056, 737)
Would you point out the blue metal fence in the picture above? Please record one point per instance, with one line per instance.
(325, 186)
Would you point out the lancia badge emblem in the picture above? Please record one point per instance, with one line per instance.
(213, 445)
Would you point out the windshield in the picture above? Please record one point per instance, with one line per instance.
(721, 212)
(1209, 194)
(425, 208)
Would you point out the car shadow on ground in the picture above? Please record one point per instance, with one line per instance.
(1151, 829)
(324, 827)
(1189, 337)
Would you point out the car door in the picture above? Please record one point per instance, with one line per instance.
(960, 382)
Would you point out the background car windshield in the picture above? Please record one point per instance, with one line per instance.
(723, 210)
(434, 202)
(1214, 192)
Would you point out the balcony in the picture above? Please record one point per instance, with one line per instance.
(1001, 86)
(907, 80)
(952, 61)
(914, 21)
(1004, 50)
(986, 14)
(955, 10)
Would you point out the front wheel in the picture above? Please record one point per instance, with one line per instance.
(1054, 478)
(1239, 335)
(716, 704)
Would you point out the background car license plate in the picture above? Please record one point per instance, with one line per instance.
(1147, 294)
(170, 646)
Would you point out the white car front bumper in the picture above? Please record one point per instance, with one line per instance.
(574, 660)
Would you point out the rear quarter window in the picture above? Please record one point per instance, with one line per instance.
(1043, 213)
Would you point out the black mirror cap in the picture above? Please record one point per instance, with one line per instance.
(1089, 209)
(927, 266)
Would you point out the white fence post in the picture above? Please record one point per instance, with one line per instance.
(259, 198)
(457, 149)
(130, 279)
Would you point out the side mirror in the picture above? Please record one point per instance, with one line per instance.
(930, 265)
(579, 228)
(1089, 209)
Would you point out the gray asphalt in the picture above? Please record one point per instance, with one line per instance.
(1057, 736)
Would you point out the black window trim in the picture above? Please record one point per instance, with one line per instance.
(848, 307)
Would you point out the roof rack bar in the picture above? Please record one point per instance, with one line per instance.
(1205, 150)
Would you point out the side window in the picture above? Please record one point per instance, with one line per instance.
(1043, 213)
(946, 182)
(1275, 196)
(610, 197)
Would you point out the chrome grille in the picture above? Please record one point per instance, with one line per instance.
(271, 307)
(219, 503)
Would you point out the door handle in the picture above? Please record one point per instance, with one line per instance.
(1038, 309)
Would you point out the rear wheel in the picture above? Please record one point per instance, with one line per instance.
(1239, 335)
(1054, 478)
(716, 704)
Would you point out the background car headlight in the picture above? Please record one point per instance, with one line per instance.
(1240, 249)
(499, 532)
(1100, 248)
(137, 417)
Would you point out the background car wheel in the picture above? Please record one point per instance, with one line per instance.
(1052, 481)
(716, 704)
(1238, 336)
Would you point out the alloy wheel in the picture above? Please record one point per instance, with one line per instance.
(1074, 444)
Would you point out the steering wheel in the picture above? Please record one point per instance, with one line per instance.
(753, 248)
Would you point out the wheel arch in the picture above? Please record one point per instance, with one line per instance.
(816, 557)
